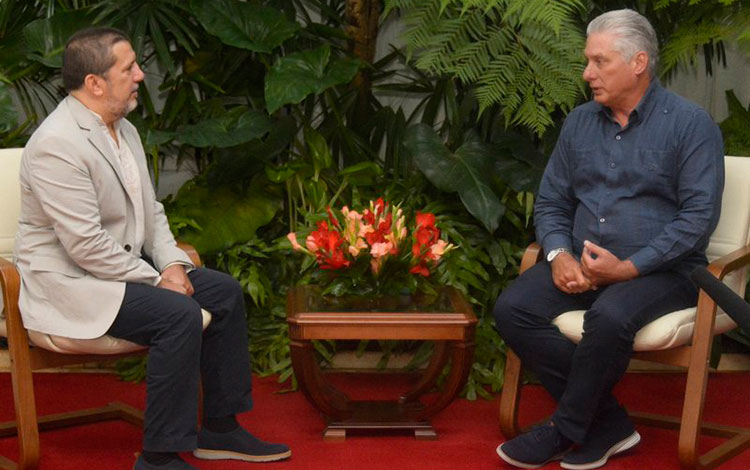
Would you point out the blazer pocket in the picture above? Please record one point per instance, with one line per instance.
(56, 265)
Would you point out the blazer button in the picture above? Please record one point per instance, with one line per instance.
(128, 248)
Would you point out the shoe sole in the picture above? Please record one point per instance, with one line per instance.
(209, 454)
(625, 444)
(517, 463)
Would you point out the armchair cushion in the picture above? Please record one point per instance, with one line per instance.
(671, 330)
(102, 345)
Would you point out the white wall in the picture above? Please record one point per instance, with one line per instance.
(709, 91)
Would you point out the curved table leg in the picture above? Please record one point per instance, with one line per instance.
(327, 399)
(437, 361)
(462, 357)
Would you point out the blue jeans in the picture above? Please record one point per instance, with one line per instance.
(581, 377)
(181, 354)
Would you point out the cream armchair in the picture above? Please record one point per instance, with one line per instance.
(32, 350)
(682, 338)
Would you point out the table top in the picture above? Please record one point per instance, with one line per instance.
(448, 316)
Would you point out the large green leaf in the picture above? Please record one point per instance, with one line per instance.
(8, 115)
(226, 217)
(244, 24)
(296, 76)
(46, 37)
(236, 127)
(362, 173)
(465, 172)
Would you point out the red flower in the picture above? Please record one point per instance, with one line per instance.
(426, 234)
(380, 232)
(378, 208)
(420, 269)
(326, 244)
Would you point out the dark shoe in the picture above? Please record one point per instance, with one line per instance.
(535, 448)
(238, 445)
(177, 464)
(602, 442)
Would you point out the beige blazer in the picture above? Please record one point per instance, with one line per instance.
(77, 226)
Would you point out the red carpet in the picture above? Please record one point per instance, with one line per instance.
(468, 430)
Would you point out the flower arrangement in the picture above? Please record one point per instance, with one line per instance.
(375, 250)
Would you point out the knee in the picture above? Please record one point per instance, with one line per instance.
(608, 326)
(185, 317)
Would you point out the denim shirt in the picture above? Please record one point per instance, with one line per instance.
(649, 192)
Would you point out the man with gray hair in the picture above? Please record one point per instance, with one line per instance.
(629, 198)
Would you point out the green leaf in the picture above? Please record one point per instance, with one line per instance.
(8, 114)
(46, 37)
(316, 192)
(362, 173)
(296, 76)
(226, 217)
(464, 172)
(280, 174)
(236, 127)
(319, 151)
(244, 24)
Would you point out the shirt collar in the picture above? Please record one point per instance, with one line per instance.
(102, 126)
(644, 106)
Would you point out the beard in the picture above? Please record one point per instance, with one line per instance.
(120, 110)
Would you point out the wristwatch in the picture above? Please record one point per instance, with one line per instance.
(553, 253)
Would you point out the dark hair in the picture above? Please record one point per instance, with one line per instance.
(89, 51)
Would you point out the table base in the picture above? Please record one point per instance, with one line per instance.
(383, 416)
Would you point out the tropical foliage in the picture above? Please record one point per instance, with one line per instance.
(522, 55)
(284, 111)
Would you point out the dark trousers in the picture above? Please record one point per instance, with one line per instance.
(181, 355)
(581, 377)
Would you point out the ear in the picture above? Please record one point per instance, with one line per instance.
(94, 84)
(640, 62)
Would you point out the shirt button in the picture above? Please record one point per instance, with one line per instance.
(128, 248)
(612, 164)
(618, 137)
(666, 111)
(602, 220)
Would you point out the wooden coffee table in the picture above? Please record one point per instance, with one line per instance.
(447, 320)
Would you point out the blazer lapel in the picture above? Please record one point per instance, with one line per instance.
(88, 123)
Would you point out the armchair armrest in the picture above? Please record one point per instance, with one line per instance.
(10, 282)
(731, 262)
(705, 314)
(531, 256)
(191, 252)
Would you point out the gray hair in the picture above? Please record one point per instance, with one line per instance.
(633, 34)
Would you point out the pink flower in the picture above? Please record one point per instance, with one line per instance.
(438, 249)
(381, 249)
(293, 240)
(357, 246)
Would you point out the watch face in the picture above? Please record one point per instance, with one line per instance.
(551, 255)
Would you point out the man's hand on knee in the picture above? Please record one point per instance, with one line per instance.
(176, 279)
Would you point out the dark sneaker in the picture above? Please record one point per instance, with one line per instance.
(238, 445)
(177, 464)
(535, 448)
(602, 442)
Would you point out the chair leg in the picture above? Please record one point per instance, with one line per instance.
(25, 406)
(692, 410)
(510, 396)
